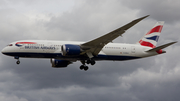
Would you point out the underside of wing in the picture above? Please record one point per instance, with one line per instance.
(94, 47)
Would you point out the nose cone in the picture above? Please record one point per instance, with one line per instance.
(7, 51)
(3, 51)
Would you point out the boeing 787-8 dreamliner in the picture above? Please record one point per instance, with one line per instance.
(63, 53)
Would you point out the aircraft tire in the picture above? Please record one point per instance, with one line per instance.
(81, 67)
(86, 68)
(18, 62)
(88, 61)
(93, 62)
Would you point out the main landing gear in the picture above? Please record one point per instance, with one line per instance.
(17, 62)
(83, 66)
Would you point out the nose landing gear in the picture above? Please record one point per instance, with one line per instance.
(17, 62)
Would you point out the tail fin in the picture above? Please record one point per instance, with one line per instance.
(151, 38)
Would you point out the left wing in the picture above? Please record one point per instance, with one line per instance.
(95, 46)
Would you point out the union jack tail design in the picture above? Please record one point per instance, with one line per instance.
(151, 38)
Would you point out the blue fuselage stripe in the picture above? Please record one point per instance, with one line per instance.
(59, 56)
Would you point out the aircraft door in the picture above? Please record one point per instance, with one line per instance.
(133, 49)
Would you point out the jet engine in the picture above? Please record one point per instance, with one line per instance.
(70, 50)
(59, 63)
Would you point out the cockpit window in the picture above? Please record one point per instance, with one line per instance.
(10, 45)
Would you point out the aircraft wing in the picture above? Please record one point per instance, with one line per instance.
(95, 46)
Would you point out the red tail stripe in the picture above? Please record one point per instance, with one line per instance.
(148, 44)
(155, 29)
(26, 43)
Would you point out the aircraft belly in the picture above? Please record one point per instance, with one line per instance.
(33, 54)
(59, 56)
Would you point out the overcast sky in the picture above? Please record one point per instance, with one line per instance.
(150, 79)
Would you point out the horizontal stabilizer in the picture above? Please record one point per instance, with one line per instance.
(161, 47)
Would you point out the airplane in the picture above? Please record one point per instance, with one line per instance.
(63, 53)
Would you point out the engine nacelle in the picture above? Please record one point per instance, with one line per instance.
(70, 50)
(59, 63)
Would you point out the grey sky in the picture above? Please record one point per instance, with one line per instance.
(154, 78)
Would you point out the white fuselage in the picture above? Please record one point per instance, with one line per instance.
(52, 49)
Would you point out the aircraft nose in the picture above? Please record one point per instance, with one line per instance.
(3, 51)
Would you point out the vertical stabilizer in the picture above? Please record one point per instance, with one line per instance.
(151, 38)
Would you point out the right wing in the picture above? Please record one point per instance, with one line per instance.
(95, 46)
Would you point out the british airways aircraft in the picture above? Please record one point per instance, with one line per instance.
(63, 53)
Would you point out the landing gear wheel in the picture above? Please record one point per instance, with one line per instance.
(17, 57)
(86, 68)
(81, 67)
(88, 61)
(92, 62)
(18, 62)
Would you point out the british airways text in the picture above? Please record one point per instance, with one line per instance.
(37, 47)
